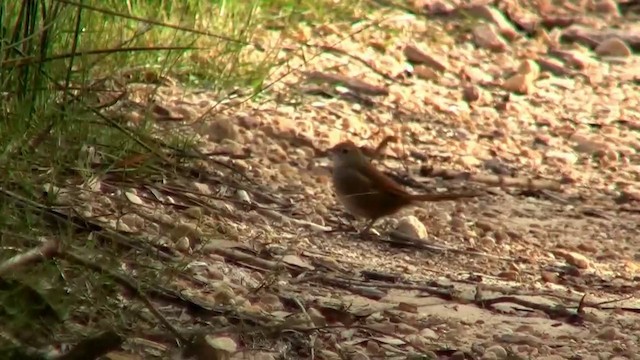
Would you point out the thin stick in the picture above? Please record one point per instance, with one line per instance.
(43, 252)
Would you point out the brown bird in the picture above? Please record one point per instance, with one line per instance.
(368, 193)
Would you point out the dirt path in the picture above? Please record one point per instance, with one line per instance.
(480, 103)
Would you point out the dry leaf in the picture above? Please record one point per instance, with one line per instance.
(132, 161)
(223, 343)
(297, 261)
(133, 198)
(389, 340)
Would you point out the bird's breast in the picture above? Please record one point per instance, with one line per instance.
(362, 198)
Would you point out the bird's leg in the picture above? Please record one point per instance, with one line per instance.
(364, 232)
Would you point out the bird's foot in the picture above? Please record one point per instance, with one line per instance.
(368, 234)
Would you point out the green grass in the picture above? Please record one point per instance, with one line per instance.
(49, 132)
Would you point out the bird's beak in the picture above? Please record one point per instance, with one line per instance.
(331, 152)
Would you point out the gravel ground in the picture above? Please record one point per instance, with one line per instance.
(535, 106)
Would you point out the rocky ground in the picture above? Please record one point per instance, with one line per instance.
(534, 105)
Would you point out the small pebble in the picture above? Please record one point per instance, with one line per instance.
(498, 351)
(411, 226)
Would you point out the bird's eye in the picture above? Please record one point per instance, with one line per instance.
(345, 151)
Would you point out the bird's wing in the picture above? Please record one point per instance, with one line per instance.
(350, 181)
(382, 181)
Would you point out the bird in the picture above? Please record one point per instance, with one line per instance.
(366, 192)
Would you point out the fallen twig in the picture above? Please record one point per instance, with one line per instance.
(247, 259)
(557, 311)
(45, 251)
(354, 84)
(403, 239)
(328, 48)
(349, 284)
(281, 217)
(493, 180)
